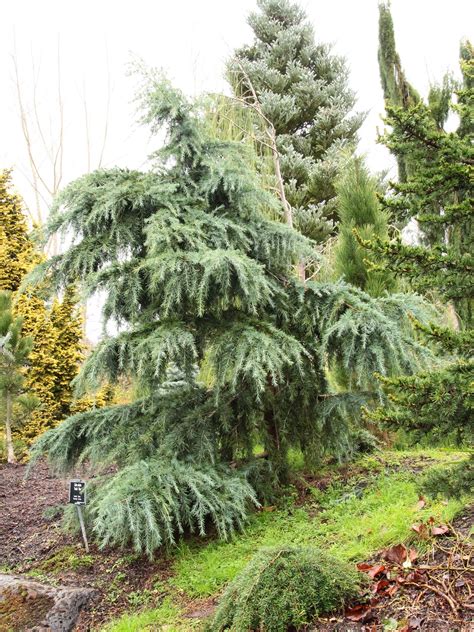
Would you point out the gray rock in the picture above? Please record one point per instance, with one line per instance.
(27, 605)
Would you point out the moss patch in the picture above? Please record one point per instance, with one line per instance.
(22, 608)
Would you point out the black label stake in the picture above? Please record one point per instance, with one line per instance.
(77, 496)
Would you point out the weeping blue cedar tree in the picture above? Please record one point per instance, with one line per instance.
(200, 280)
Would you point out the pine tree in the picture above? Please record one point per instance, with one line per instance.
(14, 352)
(302, 90)
(439, 194)
(360, 212)
(226, 346)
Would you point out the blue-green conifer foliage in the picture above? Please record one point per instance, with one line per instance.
(228, 348)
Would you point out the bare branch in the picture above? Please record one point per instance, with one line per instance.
(27, 137)
(58, 160)
(107, 110)
(35, 107)
(271, 134)
(86, 122)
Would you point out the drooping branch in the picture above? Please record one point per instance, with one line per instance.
(271, 135)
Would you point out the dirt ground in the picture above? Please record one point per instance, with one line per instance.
(439, 599)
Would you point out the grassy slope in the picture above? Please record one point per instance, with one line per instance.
(353, 520)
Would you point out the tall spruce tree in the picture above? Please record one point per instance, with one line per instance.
(439, 194)
(360, 213)
(226, 345)
(302, 90)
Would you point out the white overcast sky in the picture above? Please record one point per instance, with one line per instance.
(190, 40)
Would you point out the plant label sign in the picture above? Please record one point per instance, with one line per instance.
(77, 492)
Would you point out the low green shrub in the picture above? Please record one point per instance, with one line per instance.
(362, 441)
(283, 588)
(451, 482)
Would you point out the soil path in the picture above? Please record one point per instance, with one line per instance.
(26, 533)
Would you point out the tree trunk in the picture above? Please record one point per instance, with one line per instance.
(276, 451)
(8, 430)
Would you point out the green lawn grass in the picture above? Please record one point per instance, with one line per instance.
(167, 614)
(351, 522)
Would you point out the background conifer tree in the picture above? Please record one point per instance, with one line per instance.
(14, 351)
(55, 330)
(439, 194)
(42, 373)
(16, 249)
(397, 90)
(302, 89)
(66, 320)
(360, 210)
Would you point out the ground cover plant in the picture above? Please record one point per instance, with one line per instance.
(284, 587)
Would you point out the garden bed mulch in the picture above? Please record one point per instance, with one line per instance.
(33, 543)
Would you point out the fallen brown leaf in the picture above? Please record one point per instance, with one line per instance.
(380, 585)
(421, 503)
(360, 612)
(412, 555)
(396, 554)
(375, 570)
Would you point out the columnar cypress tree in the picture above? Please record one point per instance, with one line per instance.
(465, 93)
(397, 90)
(359, 210)
(303, 91)
(201, 281)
